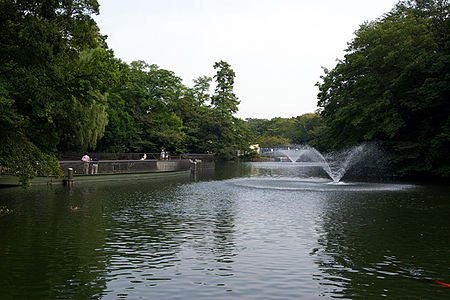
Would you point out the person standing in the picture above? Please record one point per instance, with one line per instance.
(86, 159)
(94, 167)
(163, 154)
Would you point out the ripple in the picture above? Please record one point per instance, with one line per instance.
(278, 237)
(316, 185)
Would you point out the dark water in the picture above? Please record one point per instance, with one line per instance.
(252, 231)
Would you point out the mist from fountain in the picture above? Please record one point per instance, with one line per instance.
(340, 162)
(293, 154)
(334, 164)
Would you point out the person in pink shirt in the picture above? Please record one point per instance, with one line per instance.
(86, 159)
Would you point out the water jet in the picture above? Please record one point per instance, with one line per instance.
(335, 164)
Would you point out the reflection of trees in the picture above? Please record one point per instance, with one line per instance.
(231, 170)
(224, 232)
(287, 169)
(209, 225)
(376, 244)
(142, 235)
(115, 237)
(49, 251)
(163, 232)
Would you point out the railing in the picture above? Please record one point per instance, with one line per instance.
(74, 156)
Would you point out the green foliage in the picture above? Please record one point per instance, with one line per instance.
(224, 99)
(278, 132)
(201, 89)
(393, 87)
(272, 141)
(141, 116)
(61, 89)
(20, 157)
(225, 133)
(85, 117)
(213, 128)
(41, 82)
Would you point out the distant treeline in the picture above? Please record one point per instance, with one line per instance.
(62, 89)
(281, 132)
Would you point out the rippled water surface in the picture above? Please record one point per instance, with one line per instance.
(251, 231)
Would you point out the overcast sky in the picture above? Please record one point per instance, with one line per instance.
(275, 47)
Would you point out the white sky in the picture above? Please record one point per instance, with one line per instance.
(275, 47)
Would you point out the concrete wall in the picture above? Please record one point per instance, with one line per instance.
(128, 166)
(172, 165)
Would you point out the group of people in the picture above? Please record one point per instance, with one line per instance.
(164, 155)
(89, 162)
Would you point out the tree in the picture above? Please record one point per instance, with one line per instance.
(393, 87)
(305, 128)
(278, 132)
(201, 89)
(41, 45)
(143, 111)
(85, 119)
(224, 99)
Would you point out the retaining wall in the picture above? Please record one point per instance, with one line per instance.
(128, 166)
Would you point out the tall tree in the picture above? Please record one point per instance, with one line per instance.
(224, 98)
(86, 114)
(201, 89)
(393, 87)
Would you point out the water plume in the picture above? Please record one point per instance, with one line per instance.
(335, 164)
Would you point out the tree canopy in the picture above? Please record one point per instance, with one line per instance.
(46, 80)
(224, 99)
(393, 87)
(279, 132)
(62, 89)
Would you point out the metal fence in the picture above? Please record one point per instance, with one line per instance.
(76, 156)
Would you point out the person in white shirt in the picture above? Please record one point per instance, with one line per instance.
(86, 159)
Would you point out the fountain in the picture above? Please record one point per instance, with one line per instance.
(334, 164)
(293, 154)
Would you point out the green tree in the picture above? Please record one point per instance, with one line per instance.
(278, 132)
(201, 89)
(142, 111)
(305, 128)
(393, 87)
(85, 118)
(224, 99)
(192, 108)
(41, 45)
(222, 135)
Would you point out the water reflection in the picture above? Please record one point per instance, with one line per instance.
(287, 169)
(245, 231)
(373, 247)
(50, 251)
(168, 238)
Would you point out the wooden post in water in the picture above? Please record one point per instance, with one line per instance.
(69, 180)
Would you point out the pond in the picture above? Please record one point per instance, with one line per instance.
(251, 231)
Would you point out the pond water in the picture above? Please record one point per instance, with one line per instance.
(247, 231)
